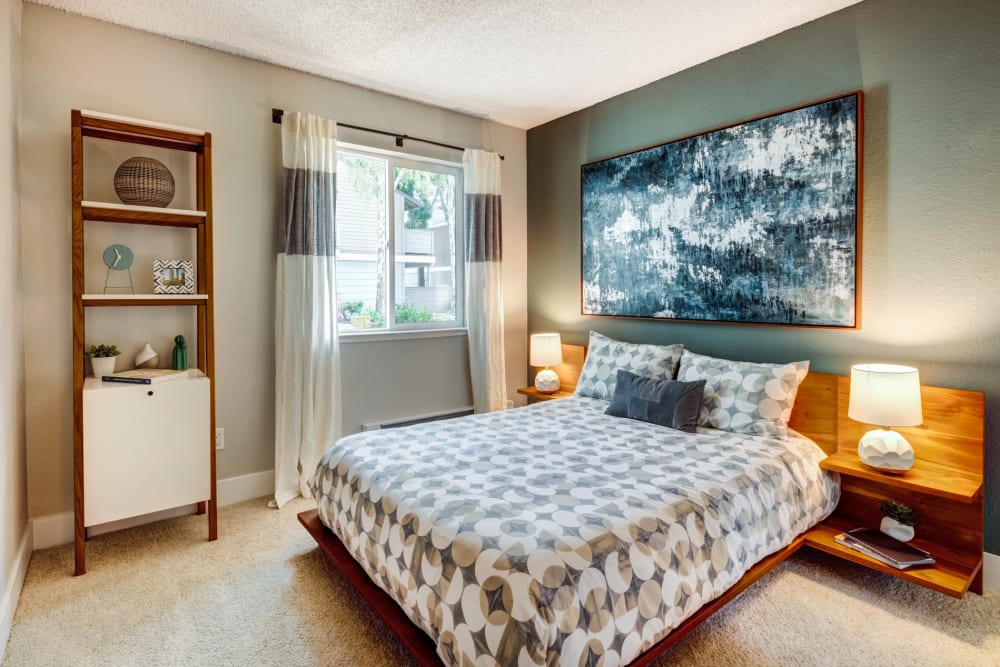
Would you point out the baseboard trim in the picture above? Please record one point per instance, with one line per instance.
(991, 572)
(55, 529)
(12, 592)
(245, 487)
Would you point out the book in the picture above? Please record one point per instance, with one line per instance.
(873, 542)
(145, 376)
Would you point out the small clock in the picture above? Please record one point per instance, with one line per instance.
(118, 257)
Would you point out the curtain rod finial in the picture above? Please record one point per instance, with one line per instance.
(276, 115)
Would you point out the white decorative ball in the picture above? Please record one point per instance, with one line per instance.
(886, 450)
(547, 381)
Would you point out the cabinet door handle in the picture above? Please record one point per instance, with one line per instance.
(149, 393)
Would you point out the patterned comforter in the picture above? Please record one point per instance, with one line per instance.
(555, 534)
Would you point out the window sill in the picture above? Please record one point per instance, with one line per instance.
(399, 334)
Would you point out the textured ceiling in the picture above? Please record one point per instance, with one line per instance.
(518, 62)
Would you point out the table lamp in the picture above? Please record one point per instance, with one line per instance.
(885, 395)
(546, 350)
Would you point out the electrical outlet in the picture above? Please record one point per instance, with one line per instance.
(220, 438)
(510, 403)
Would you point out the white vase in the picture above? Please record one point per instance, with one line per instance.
(893, 528)
(147, 357)
(102, 365)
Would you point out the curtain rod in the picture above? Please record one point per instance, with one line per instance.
(276, 115)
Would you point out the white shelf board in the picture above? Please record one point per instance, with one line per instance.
(90, 383)
(141, 209)
(143, 297)
(100, 115)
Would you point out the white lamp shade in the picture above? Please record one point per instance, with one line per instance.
(885, 395)
(546, 350)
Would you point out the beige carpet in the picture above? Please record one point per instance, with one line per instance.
(264, 595)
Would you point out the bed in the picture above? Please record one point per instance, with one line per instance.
(557, 534)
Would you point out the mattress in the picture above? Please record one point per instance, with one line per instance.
(556, 534)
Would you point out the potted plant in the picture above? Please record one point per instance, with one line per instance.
(102, 359)
(898, 520)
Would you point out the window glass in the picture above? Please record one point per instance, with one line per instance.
(413, 227)
(424, 247)
(361, 241)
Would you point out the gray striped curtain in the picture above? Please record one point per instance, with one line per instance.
(307, 363)
(483, 291)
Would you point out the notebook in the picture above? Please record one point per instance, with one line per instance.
(889, 550)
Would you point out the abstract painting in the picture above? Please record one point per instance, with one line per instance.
(756, 222)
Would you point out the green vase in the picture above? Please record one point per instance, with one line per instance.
(180, 357)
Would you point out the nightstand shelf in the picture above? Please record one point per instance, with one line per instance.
(535, 395)
(945, 487)
(928, 477)
(944, 577)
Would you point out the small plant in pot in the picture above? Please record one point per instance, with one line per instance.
(898, 520)
(102, 359)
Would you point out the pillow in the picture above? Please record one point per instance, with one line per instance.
(605, 356)
(744, 397)
(665, 402)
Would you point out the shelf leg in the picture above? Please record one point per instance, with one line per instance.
(80, 548)
(201, 508)
(213, 519)
(977, 582)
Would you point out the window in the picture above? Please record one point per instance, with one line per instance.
(414, 227)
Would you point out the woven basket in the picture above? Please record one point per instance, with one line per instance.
(144, 181)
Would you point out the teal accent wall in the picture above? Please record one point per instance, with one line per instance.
(931, 192)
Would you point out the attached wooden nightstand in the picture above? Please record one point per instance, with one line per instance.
(945, 486)
(568, 372)
(534, 395)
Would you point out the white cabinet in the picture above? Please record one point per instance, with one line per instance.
(146, 447)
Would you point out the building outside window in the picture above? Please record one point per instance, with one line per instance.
(414, 227)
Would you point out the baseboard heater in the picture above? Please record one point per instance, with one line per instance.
(418, 419)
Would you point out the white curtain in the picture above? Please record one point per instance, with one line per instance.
(483, 291)
(307, 365)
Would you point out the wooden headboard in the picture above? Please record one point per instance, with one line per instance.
(952, 428)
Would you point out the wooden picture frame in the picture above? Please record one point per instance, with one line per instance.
(758, 222)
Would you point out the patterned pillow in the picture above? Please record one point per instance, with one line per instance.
(668, 403)
(605, 356)
(744, 397)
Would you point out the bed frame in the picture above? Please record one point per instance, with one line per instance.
(815, 415)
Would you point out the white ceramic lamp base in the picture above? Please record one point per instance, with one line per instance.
(547, 381)
(886, 450)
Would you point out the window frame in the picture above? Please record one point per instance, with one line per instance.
(393, 160)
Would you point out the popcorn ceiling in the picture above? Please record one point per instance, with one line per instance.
(518, 62)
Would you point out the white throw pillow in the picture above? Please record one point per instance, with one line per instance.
(606, 356)
(742, 396)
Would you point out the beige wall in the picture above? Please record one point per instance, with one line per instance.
(71, 62)
(13, 487)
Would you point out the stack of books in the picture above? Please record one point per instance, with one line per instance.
(876, 544)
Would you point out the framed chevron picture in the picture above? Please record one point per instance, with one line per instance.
(173, 276)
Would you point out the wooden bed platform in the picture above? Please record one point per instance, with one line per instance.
(820, 413)
(421, 647)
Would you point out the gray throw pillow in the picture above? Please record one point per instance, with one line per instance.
(665, 402)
